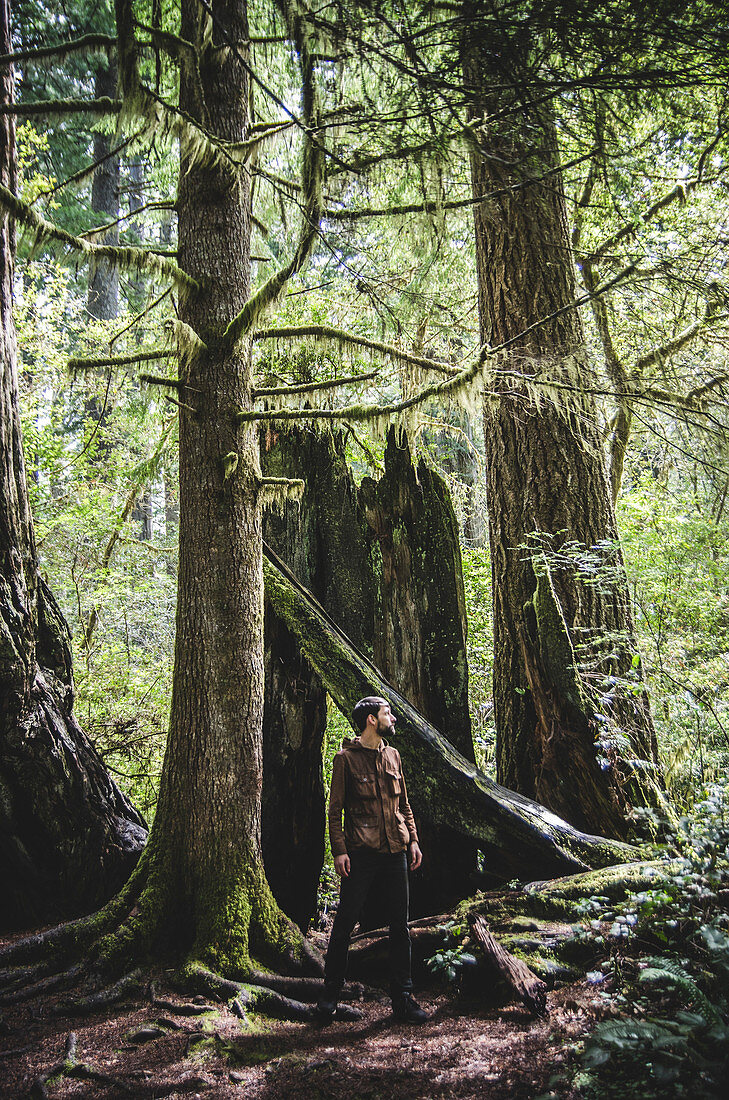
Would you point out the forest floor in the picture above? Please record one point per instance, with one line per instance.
(468, 1048)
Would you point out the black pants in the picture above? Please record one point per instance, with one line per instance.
(387, 873)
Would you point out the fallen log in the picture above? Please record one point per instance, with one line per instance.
(531, 991)
(518, 836)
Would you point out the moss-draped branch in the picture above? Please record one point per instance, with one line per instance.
(341, 337)
(135, 259)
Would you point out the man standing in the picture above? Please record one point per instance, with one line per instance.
(371, 852)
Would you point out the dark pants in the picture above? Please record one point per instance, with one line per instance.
(387, 873)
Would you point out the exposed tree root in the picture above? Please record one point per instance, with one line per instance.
(197, 1008)
(26, 992)
(129, 985)
(71, 1067)
(260, 998)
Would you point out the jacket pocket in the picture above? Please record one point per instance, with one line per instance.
(394, 781)
(364, 788)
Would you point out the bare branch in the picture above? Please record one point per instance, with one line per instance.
(311, 387)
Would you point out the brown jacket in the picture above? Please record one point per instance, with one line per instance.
(368, 785)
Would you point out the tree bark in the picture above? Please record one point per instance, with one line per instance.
(103, 295)
(567, 679)
(68, 837)
(294, 720)
(385, 564)
(205, 894)
(518, 836)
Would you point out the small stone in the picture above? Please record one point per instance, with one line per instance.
(145, 1034)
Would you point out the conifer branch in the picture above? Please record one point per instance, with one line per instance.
(172, 44)
(45, 232)
(664, 351)
(153, 204)
(85, 173)
(105, 105)
(447, 387)
(679, 193)
(87, 43)
(159, 380)
(339, 336)
(313, 387)
(80, 364)
(312, 176)
(139, 316)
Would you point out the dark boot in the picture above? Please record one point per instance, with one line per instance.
(326, 1006)
(406, 1009)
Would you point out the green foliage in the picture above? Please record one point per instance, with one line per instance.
(479, 610)
(673, 1005)
(449, 962)
(678, 562)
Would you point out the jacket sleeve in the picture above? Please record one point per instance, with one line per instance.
(406, 810)
(336, 806)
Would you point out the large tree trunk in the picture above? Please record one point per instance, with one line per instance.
(68, 837)
(420, 640)
(564, 649)
(519, 837)
(205, 894)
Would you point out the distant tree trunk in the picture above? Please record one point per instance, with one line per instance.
(546, 478)
(103, 296)
(68, 837)
(419, 640)
(103, 293)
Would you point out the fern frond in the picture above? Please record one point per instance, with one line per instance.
(663, 971)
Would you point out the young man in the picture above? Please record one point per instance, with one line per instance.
(373, 850)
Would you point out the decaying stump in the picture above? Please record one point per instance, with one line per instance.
(519, 836)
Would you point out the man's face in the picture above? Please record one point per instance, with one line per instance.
(385, 720)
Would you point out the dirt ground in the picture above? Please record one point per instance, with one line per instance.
(466, 1049)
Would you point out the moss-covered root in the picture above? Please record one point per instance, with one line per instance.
(555, 899)
(130, 986)
(196, 978)
(557, 896)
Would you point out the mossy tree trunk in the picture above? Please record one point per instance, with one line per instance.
(202, 889)
(420, 640)
(68, 837)
(568, 653)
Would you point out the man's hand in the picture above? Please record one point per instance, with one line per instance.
(415, 856)
(341, 865)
